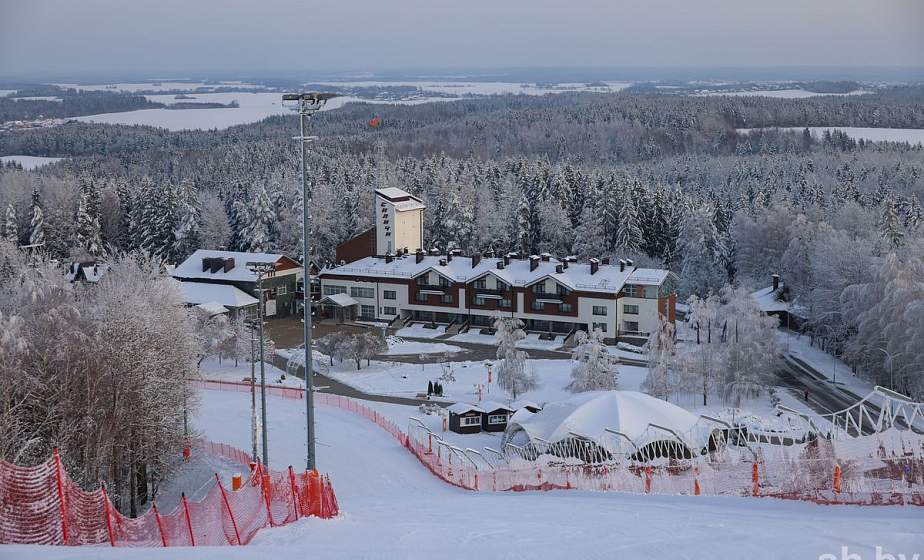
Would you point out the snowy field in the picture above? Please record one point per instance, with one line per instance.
(166, 85)
(254, 107)
(910, 135)
(486, 88)
(780, 93)
(409, 348)
(531, 341)
(30, 162)
(419, 331)
(393, 508)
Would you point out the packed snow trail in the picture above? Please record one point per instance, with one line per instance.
(394, 508)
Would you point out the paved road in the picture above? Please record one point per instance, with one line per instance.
(470, 351)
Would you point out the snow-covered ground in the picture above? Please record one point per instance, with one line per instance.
(393, 508)
(30, 162)
(166, 85)
(417, 330)
(228, 371)
(486, 88)
(781, 93)
(410, 348)
(910, 135)
(531, 341)
(253, 107)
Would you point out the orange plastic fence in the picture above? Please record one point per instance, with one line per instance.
(43, 505)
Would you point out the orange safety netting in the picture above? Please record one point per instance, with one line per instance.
(43, 505)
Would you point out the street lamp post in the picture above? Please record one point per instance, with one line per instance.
(253, 394)
(261, 269)
(308, 103)
(891, 358)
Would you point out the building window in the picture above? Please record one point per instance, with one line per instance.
(465, 421)
(481, 284)
(420, 296)
(600, 326)
(539, 288)
(562, 291)
(538, 306)
(281, 290)
(444, 282)
(631, 326)
(362, 292)
(389, 311)
(564, 307)
(599, 310)
(334, 290)
(390, 294)
(479, 300)
(497, 419)
(367, 311)
(504, 303)
(630, 309)
(501, 287)
(447, 298)
(631, 290)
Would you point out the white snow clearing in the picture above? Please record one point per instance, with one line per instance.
(394, 508)
(408, 347)
(911, 135)
(30, 162)
(780, 93)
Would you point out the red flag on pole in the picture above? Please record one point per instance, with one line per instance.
(375, 121)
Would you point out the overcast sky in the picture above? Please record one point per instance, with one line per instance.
(75, 36)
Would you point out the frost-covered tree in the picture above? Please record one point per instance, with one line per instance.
(259, 232)
(588, 237)
(662, 380)
(514, 374)
(524, 227)
(628, 233)
(88, 230)
(704, 253)
(752, 351)
(10, 228)
(593, 368)
(37, 223)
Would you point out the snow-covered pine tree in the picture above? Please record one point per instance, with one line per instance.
(661, 380)
(890, 225)
(524, 224)
(588, 236)
(593, 368)
(513, 372)
(628, 233)
(704, 253)
(10, 229)
(37, 223)
(88, 225)
(261, 223)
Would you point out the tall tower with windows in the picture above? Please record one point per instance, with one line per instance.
(398, 221)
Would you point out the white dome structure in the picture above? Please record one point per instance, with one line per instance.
(595, 416)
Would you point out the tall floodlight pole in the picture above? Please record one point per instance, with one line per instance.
(261, 269)
(253, 394)
(309, 103)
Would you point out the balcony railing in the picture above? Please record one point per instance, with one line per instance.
(489, 291)
(431, 288)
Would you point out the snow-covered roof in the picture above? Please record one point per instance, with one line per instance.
(196, 293)
(192, 267)
(462, 408)
(577, 276)
(392, 193)
(491, 406)
(341, 300)
(212, 308)
(90, 271)
(650, 276)
(589, 414)
(523, 403)
(769, 299)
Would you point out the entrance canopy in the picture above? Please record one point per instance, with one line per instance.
(340, 300)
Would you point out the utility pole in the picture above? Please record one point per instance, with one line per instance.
(261, 269)
(308, 104)
(253, 394)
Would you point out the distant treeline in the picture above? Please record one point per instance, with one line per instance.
(72, 104)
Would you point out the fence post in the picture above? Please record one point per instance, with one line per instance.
(59, 476)
(160, 524)
(294, 492)
(192, 538)
(696, 490)
(266, 497)
(837, 479)
(106, 512)
(755, 480)
(224, 498)
(647, 479)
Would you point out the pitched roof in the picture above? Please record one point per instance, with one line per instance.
(192, 267)
(196, 293)
(341, 300)
(462, 408)
(577, 276)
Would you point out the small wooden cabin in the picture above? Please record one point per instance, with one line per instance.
(495, 416)
(465, 418)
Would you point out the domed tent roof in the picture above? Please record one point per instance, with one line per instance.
(589, 414)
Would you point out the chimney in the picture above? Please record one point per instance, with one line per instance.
(506, 260)
(533, 262)
(594, 266)
(229, 263)
(606, 260)
(564, 263)
(513, 255)
(500, 264)
(216, 264)
(630, 262)
(419, 256)
(559, 268)
(456, 252)
(449, 256)
(622, 265)
(206, 263)
(776, 282)
(434, 252)
(545, 257)
(476, 259)
(442, 262)
(388, 257)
